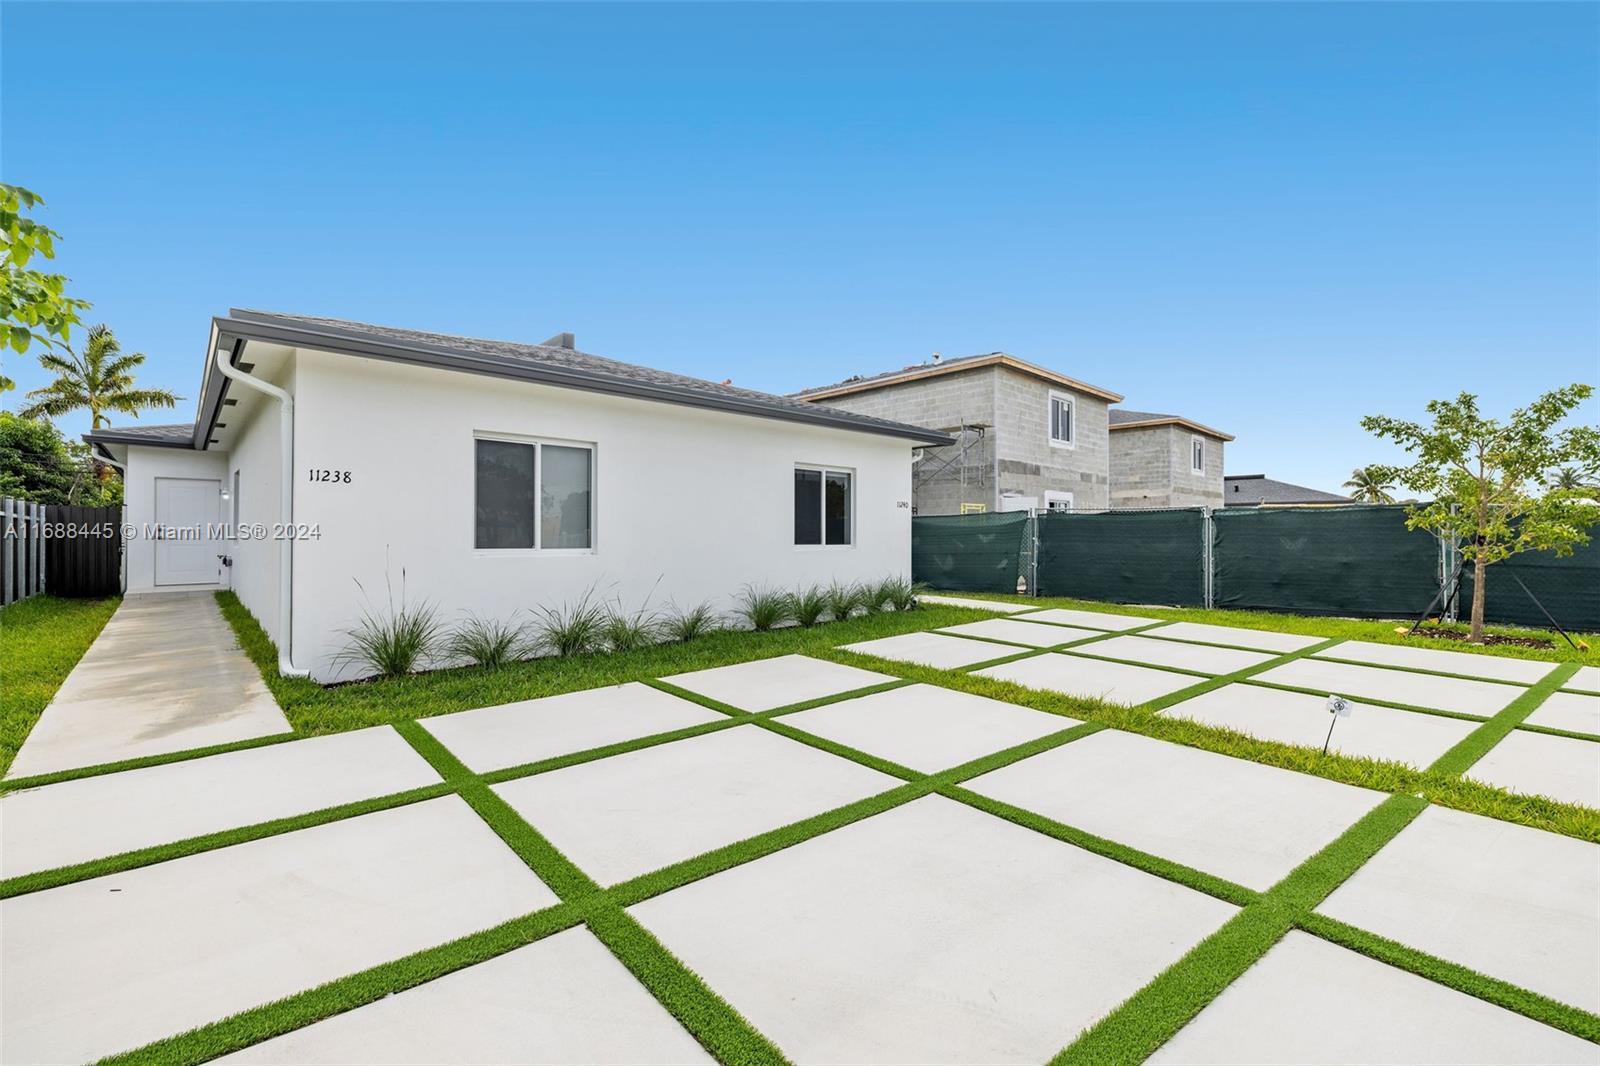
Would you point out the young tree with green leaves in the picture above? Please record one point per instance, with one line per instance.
(1489, 482)
(99, 380)
(34, 305)
(1368, 485)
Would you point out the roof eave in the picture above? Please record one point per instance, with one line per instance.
(247, 326)
(959, 366)
(1184, 422)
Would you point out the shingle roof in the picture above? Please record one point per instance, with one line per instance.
(1248, 490)
(864, 383)
(172, 435)
(1124, 419)
(567, 367)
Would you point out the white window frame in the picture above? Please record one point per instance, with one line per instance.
(1194, 441)
(1051, 496)
(538, 495)
(825, 469)
(1072, 419)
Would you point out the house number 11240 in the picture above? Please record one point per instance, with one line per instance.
(333, 477)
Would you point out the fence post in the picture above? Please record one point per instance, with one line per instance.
(36, 549)
(1033, 556)
(1207, 596)
(5, 549)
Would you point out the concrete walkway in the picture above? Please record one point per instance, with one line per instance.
(164, 675)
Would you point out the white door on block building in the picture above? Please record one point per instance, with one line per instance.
(1014, 502)
(187, 549)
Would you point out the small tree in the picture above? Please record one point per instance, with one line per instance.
(33, 305)
(1368, 484)
(1490, 483)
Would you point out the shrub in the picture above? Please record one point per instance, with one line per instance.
(571, 629)
(874, 595)
(901, 593)
(842, 600)
(764, 607)
(392, 641)
(628, 632)
(809, 605)
(680, 625)
(486, 642)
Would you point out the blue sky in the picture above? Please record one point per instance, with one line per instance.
(1269, 218)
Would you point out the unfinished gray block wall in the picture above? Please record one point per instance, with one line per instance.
(946, 478)
(1030, 464)
(1151, 467)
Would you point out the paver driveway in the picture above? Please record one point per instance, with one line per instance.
(821, 861)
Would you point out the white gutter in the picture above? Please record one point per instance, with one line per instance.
(286, 665)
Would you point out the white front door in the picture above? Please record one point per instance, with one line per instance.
(186, 516)
(1019, 503)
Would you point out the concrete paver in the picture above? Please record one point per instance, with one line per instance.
(1587, 679)
(764, 684)
(1090, 678)
(931, 933)
(1464, 696)
(165, 675)
(109, 964)
(95, 817)
(1000, 606)
(511, 734)
(1572, 711)
(1089, 619)
(926, 727)
(931, 649)
(630, 814)
(1021, 631)
(1302, 719)
(558, 1001)
(1200, 657)
(1506, 900)
(1240, 820)
(1538, 764)
(1522, 671)
(1317, 1004)
(1259, 639)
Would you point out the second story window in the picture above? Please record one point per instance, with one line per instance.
(1197, 455)
(1062, 431)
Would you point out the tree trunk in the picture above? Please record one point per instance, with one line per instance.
(1479, 568)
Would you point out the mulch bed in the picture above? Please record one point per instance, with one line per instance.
(1460, 636)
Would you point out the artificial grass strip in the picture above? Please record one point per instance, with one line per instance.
(1574, 1020)
(41, 640)
(721, 1030)
(1155, 1013)
(1476, 745)
(347, 993)
(40, 880)
(99, 769)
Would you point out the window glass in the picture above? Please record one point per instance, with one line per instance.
(505, 496)
(808, 507)
(836, 508)
(1199, 456)
(236, 511)
(564, 503)
(1060, 420)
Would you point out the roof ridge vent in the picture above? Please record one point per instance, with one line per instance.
(562, 340)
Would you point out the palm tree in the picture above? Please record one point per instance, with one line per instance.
(100, 380)
(1368, 485)
(1571, 480)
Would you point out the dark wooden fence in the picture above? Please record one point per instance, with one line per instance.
(83, 553)
(65, 551)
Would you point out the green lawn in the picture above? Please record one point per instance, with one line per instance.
(41, 640)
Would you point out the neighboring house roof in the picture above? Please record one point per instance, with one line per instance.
(173, 435)
(1122, 419)
(555, 362)
(955, 365)
(1254, 490)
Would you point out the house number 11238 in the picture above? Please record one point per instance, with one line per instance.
(333, 477)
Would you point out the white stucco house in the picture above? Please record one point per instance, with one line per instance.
(497, 476)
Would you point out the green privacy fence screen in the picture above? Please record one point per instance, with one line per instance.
(1569, 588)
(1124, 556)
(1357, 561)
(969, 553)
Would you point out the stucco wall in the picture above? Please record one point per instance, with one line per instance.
(948, 477)
(689, 504)
(257, 456)
(145, 465)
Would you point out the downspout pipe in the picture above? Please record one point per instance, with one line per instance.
(224, 358)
